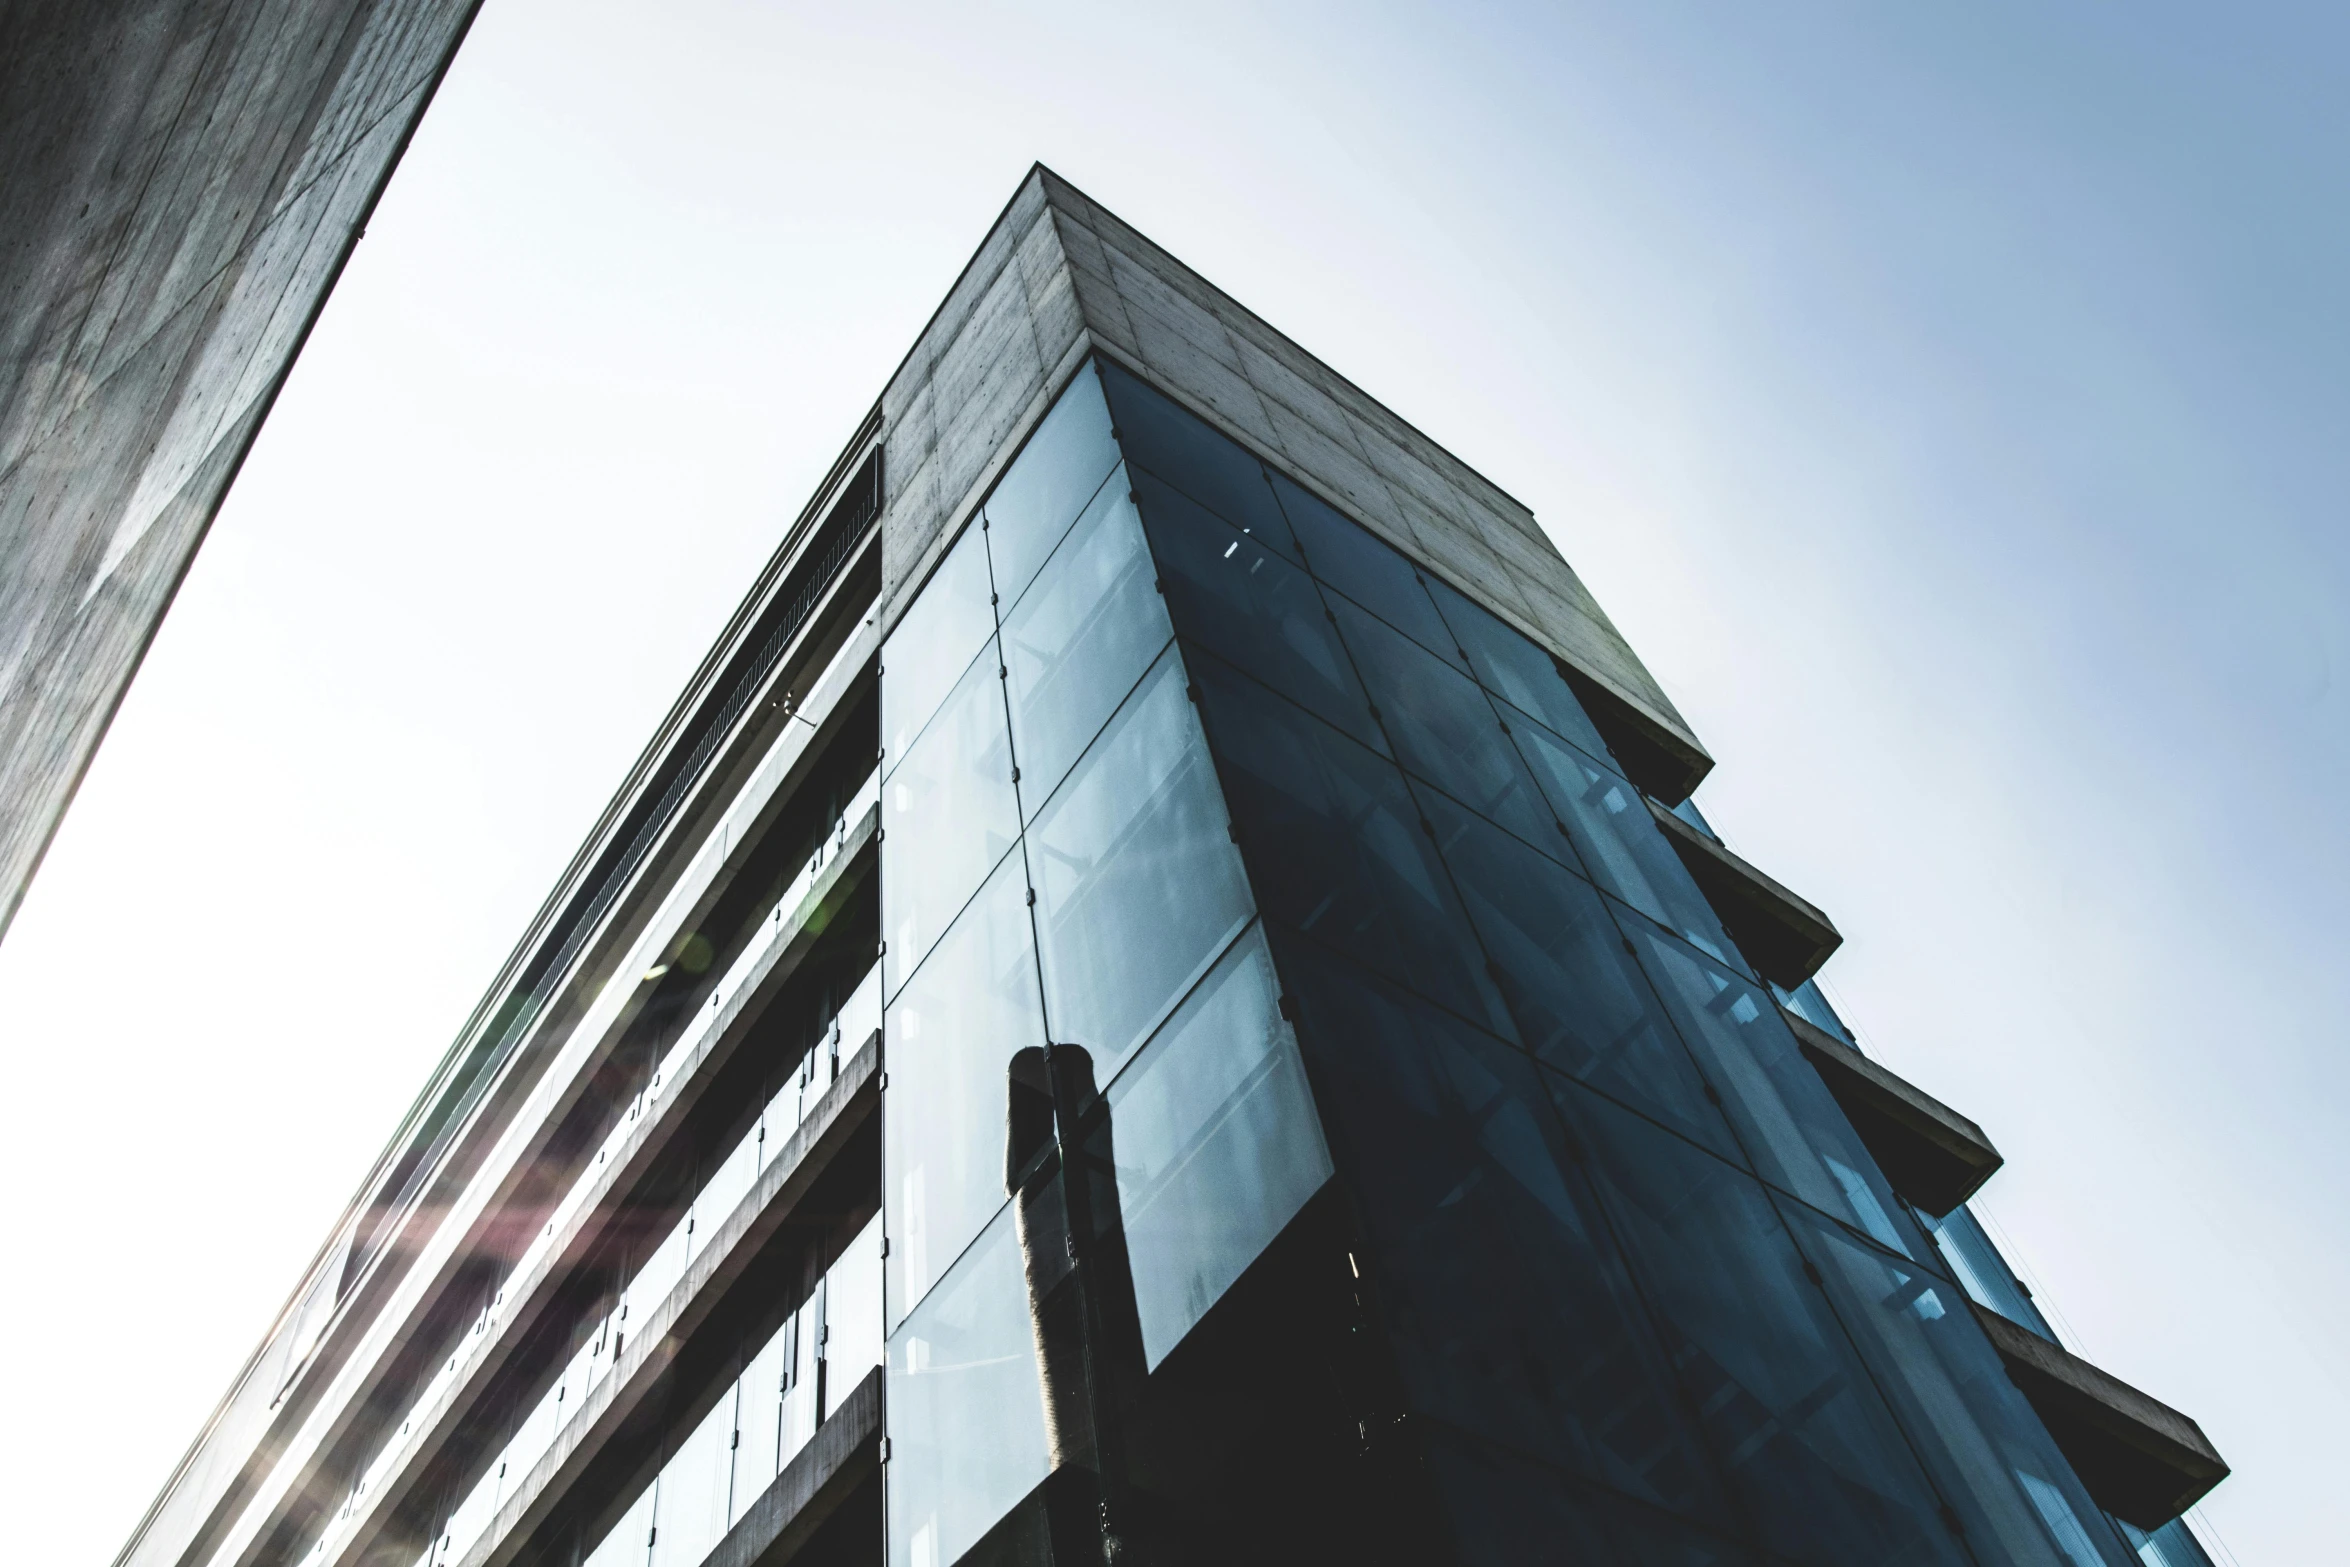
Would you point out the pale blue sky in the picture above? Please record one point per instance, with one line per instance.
(1946, 401)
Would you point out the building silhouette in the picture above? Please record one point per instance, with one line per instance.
(1160, 999)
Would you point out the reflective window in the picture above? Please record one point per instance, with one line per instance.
(929, 649)
(1215, 1142)
(1345, 856)
(1138, 886)
(1508, 1307)
(1580, 1000)
(1213, 470)
(1350, 558)
(1618, 841)
(629, 1542)
(1978, 1266)
(951, 1032)
(852, 1316)
(1794, 1131)
(1789, 1411)
(1506, 1511)
(1254, 608)
(1988, 1452)
(1079, 641)
(949, 811)
(1060, 469)
(966, 1411)
(1444, 730)
(1513, 668)
(690, 1515)
(758, 1419)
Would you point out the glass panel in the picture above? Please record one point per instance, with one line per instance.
(724, 1191)
(1511, 667)
(1079, 641)
(690, 1516)
(952, 1032)
(1794, 1132)
(1444, 730)
(949, 812)
(1215, 1142)
(758, 1422)
(1254, 608)
(657, 1276)
(852, 1316)
(630, 1541)
(1987, 1451)
(1506, 1512)
(934, 643)
(799, 1398)
(860, 1014)
(1215, 471)
(1138, 886)
(1510, 1311)
(1977, 1265)
(1580, 1000)
(1791, 1414)
(1058, 471)
(1349, 557)
(1341, 852)
(1620, 844)
(1806, 1002)
(966, 1413)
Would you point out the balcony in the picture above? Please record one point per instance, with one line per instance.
(1933, 1156)
(1785, 938)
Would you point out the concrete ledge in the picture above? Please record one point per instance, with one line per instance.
(1785, 938)
(1658, 759)
(2140, 1459)
(838, 1458)
(1933, 1156)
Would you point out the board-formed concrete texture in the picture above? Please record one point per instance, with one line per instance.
(1058, 278)
(180, 184)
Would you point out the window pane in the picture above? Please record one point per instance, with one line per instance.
(1791, 1414)
(1620, 844)
(1138, 886)
(1336, 847)
(1985, 1447)
(949, 812)
(952, 1032)
(1254, 608)
(1509, 1309)
(1200, 461)
(1580, 1000)
(1215, 1142)
(1444, 729)
(1058, 471)
(759, 1418)
(1350, 558)
(1514, 669)
(629, 1542)
(690, 1516)
(852, 1316)
(966, 1413)
(1079, 641)
(931, 646)
(1795, 1133)
(1506, 1511)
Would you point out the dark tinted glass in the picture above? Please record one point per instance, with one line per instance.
(1514, 669)
(934, 643)
(1795, 1133)
(1346, 555)
(1504, 1510)
(1217, 472)
(1789, 1411)
(1336, 846)
(1444, 730)
(1253, 607)
(1510, 1311)
(1048, 484)
(1578, 996)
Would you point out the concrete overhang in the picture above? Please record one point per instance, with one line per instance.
(1785, 938)
(2139, 1459)
(841, 1456)
(1933, 1156)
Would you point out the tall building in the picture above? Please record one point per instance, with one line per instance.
(181, 182)
(1160, 999)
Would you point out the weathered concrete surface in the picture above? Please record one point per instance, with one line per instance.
(1059, 277)
(1934, 1157)
(180, 183)
(1783, 936)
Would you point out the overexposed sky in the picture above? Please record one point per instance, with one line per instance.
(1946, 402)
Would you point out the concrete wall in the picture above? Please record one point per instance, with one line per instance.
(1059, 277)
(180, 182)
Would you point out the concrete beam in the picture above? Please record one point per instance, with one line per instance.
(843, 1453)
(1933, 1156)
(1785, 938)
(2139, 1459)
